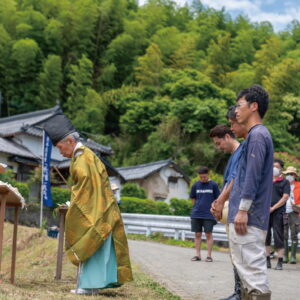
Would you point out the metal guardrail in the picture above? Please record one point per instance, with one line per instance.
(171, 226)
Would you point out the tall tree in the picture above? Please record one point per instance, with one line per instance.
(185, 55)
(218, 57)
(242, 48)
(266, 58)
(24, 66)
(5, 49)
(168, 40)
(80, 81)
(150, 67)
(92, 117)
(50, 81)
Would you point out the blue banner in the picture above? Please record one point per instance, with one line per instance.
(46, 184)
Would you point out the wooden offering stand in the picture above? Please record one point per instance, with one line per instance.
(9, 198)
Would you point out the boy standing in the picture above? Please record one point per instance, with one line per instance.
(203, 193)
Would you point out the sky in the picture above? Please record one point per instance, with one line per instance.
(279, 12)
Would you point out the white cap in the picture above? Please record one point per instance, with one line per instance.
(114, 187)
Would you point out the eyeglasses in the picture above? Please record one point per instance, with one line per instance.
(240, 104)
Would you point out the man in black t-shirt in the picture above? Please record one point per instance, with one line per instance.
(280, 194)
(203, 193)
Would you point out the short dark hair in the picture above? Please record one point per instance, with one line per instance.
(220, 131)
(203, 170)
(231, 114)
(258, 94)
(279, 161)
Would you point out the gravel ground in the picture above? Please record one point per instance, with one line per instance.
(171, 266)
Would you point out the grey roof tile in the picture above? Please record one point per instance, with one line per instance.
(98, 147)
(144, 170)
(14, 124)
(10, 147)
(31, 124)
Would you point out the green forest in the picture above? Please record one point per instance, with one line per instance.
(150, 81)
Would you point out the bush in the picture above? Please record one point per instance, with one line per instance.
(60, 195)
(178, 207)
(181, 207)
(22, 187)
(163, 208)
(9, 177)
(139, 206)
(133, 190)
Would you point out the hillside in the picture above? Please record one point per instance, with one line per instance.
(149, 80)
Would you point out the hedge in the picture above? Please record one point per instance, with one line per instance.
(163, 208)
(181, 207)
(23, 188)
(139, 206)
(60, 195)
(178, 207)
(133, 190)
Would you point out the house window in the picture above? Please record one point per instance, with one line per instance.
(158, 198)
(173, 179)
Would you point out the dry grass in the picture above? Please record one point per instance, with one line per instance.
(35, 270)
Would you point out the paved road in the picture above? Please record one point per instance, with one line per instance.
(171, 266)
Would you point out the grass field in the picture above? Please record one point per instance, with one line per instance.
(35, 270)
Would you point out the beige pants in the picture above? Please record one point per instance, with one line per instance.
(249, 257)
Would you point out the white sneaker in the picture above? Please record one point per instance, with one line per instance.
(80, 291)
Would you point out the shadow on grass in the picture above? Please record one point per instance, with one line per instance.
(111, 294)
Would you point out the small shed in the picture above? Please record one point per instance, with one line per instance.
(162, 180)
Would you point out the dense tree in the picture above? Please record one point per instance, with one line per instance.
(218, 58)
(185, 55)
(241, 78)
(242, 48)
(266, 58)
(150, 80)
(50, 81)
(80, 81)
(150, 66)
(22, 84)
(92, 116)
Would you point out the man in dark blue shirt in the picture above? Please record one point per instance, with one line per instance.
(203, 193)
(250, 197)
(225, 140)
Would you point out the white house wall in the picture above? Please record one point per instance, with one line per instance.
(35, 145)
(4, 160)
(178, 189)
(158, 186)
(117, 181)
(154, 186)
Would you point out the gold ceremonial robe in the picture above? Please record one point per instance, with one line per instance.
(94, 214)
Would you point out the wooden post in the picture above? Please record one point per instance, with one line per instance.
(2, 216)
(60, 249)
(14, 246)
